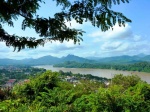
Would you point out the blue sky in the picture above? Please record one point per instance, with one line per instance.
(130, 40)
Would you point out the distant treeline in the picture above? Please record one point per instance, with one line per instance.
(141, 66)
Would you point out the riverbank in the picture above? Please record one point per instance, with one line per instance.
(107, 73)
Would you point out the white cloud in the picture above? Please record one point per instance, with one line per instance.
(116, 33)
(120, 41)
(136, 37)
(111, 45)
(125, 47)
(73, 24)
(55, 48)
(3, 47)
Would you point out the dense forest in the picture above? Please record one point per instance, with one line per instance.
(141, 66)
(47, 92)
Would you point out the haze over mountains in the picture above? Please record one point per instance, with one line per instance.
(50, 60)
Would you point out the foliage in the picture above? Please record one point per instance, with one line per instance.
(86, 96)
(34, 87)
(98, 12)
(114, 99)
(125, 81)
(2, 95)
(141, 66)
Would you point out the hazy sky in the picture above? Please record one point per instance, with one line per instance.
(130, 40)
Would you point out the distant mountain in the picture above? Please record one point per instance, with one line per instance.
(75, 58)
(45, 60)
(50, 60)
(117, 59)
(125, 59)
(8, 61)
(40, 61)
(146, 58)
(140, 55)
(93, 58)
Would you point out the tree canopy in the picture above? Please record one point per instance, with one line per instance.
(48, 92)
(98, 12)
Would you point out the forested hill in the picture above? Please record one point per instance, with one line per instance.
(51, 60)
(45, 60)
(125, 59)
(141, 66)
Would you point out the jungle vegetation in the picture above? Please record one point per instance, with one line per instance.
(48, 93)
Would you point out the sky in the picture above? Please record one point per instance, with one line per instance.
(130, 40)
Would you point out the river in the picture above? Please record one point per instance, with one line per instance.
(108, 73)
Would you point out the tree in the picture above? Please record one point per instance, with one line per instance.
(126, 81)
(98, 12)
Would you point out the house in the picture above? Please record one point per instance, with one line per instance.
(71, 79)
(10, 83)
(23, 81)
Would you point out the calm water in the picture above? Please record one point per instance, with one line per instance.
(97, 72)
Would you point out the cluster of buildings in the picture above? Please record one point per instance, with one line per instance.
(11, 82)
(11, 68)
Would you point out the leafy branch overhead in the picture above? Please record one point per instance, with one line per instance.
(98, 12)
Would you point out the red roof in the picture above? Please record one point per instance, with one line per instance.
(11, 80)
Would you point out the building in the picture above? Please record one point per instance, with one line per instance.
(10, 83)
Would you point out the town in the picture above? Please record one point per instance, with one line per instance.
(9, 75)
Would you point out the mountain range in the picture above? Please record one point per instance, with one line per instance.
(50, 60)
(45, 60)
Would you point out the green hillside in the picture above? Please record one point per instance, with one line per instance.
(141, 66)
(48, 92)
